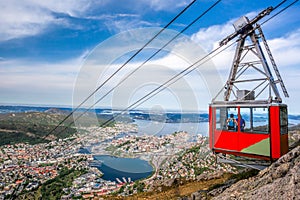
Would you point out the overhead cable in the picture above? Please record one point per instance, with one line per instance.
(140, 66)
(185, 72)
(98, 88)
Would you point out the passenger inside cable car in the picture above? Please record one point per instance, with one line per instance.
(242, 123)
(231, 123)
(254, 120)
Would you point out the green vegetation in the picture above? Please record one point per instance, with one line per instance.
(34, 127)
(111, 148)
(16, 137)
(121, 190)
(194, 149)
(123, 144)
(45, 164)
(139, 186)
(245, 175)
(236, 177)
(198, 170)
(53, 189)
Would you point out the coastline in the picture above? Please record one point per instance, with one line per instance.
(137, 156)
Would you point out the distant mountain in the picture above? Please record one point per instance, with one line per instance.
(34, 124)
(294, 117)
(170, 117)
(57, 111)
(107, 113)
(32, 127)
(22, 109)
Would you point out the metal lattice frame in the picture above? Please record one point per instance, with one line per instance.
(249, 45)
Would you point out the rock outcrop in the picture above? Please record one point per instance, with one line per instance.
(279, 181)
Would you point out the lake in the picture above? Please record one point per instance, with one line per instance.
(115, 167)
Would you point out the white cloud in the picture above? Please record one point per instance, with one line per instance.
(38, 82)
(210, 37)
(112, 16)
(125, 24)
(70, 7)
(21, 19)
(198, 85)
(118, 22)
(31, 17)
(286, 49)
(167, 4)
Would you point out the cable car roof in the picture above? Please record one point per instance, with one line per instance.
(250, 103)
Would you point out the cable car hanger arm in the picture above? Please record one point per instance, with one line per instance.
(248, 26)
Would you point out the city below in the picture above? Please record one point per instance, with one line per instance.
(97, 161)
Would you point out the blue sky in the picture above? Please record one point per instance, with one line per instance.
(44, 44)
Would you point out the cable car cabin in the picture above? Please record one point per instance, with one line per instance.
(251, 130)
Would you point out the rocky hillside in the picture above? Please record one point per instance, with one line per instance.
(279, 181)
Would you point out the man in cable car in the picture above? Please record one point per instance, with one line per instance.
(231, 123)
(242, 123)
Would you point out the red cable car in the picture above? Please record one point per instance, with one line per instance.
(263, 135)
(251, 123)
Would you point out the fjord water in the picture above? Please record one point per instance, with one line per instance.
(146, 127)
(115, 167)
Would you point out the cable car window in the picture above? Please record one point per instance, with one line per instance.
(244, 120)
(231, 121)
(221, 117)
(283, 120)
(260, 120)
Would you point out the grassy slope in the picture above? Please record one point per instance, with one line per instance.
(177, 190)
